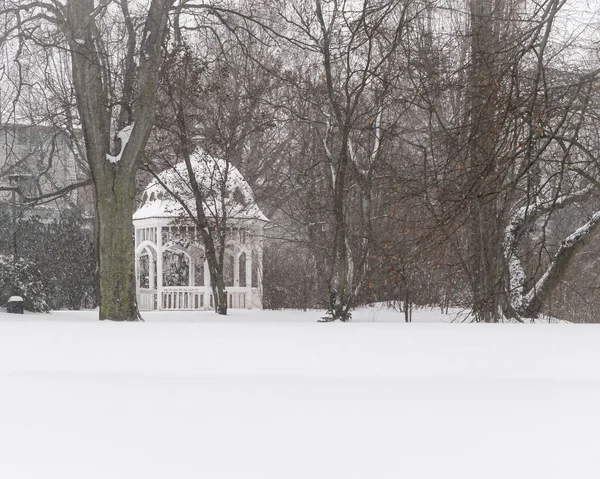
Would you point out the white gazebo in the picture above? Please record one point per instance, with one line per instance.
(171, 268)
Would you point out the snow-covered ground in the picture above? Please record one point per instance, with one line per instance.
(277, 395)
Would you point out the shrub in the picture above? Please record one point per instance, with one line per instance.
(19, 277)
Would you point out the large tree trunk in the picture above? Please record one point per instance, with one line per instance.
(484, 234)
(113, 165)
(114, 208)
(484, 255)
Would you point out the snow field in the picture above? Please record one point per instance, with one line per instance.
(277, 395)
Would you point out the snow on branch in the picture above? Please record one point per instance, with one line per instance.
(532, 212)
(123, 135)
(375, 151)
(568, 249)
(520, 219)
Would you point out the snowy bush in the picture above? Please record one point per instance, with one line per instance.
(61, 255)
(65, 254)
(19, 277)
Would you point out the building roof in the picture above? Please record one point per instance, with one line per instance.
(159, 198)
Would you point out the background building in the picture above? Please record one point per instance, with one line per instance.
(40, 160)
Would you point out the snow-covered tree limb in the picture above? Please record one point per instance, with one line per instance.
(524, 216)
(571, 245)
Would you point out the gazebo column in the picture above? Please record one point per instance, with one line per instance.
(236, 270)
(235, 302)
(192, 269)
(137, 262)
(207, 288)
(137, 272)
(151, 284)
(259, 260)
(159, 267)
(249, 279)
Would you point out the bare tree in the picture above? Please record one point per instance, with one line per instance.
(507, 121)
(352, 46)
(115, 59)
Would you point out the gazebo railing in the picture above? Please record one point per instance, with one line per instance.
(181, 298)
(189, 298)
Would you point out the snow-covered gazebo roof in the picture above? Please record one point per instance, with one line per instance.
(211, 174)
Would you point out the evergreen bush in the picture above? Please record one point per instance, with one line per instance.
(19, 277)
